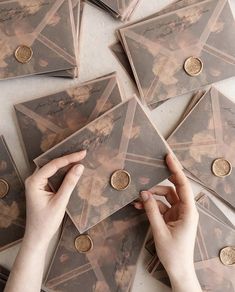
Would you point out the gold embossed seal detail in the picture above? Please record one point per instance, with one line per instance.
(4, 188)
(23, 54)
(227, 255)
(83, 243)
(221, 167)
(193, 66)
(120, 180)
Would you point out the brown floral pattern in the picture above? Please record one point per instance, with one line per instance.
(110, 265)
(12, 206)
(122, 138)
(46, 121)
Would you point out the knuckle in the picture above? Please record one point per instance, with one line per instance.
(71, 179)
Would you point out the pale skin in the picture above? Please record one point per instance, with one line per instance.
(174, 228)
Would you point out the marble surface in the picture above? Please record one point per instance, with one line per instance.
(96, 59)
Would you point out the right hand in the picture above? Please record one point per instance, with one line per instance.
(174, 228)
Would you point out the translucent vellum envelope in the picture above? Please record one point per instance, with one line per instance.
(205, 135)
(158, 48)
(12, 204)
(47, 27)
(110, 265)
(121, 139)
(46, 121)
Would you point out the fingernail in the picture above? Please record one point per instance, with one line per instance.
(79, 170)
(145, 196)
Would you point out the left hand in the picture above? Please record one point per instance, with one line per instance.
(46, 209)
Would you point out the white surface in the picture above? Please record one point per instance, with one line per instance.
(96, 60)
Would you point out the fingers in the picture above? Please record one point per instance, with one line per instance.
(152, 210)
(69, 183)
(52, 167)
(168, 192)
(180, 181)
(163, 208)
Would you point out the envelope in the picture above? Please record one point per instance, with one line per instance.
(46, 121)
(47, 28)
(118, 8)
(123, 139)
(12, 204)
(159, 49)
(204, 136)
(110, 265)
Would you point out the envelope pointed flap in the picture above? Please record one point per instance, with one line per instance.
(12, 203)
(52, 118)
(224, 29)
(117, 242)
(107, 140)
(197, 130)
(212, 236)
(59, 25)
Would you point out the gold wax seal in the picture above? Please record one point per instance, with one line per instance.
(4, 188)
(221, 167)
(23, 54)
(83, 243)
(120, 180)
(193, 66)
(227, 255)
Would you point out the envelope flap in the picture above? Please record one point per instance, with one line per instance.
(117, 243)
(212, 236)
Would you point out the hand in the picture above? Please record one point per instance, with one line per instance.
(46, 209)
(174, 226)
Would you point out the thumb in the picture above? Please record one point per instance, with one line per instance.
(69, 183)
(152, 210)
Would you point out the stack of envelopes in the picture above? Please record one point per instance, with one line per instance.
(203, 142)
(103, 234)
(178, 50)
(12, 200)
(117, 8)
(215, 241)
(39, 37)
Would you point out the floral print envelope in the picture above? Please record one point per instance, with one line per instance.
(30, 37)
(12, 200)
(48, 120)
(176, 44)
(205, 135)
(110, 265)
(121, 139)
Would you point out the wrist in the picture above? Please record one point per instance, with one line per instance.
(35, 242)
(184, 278)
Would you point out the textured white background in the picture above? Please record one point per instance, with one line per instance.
(96, 59)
